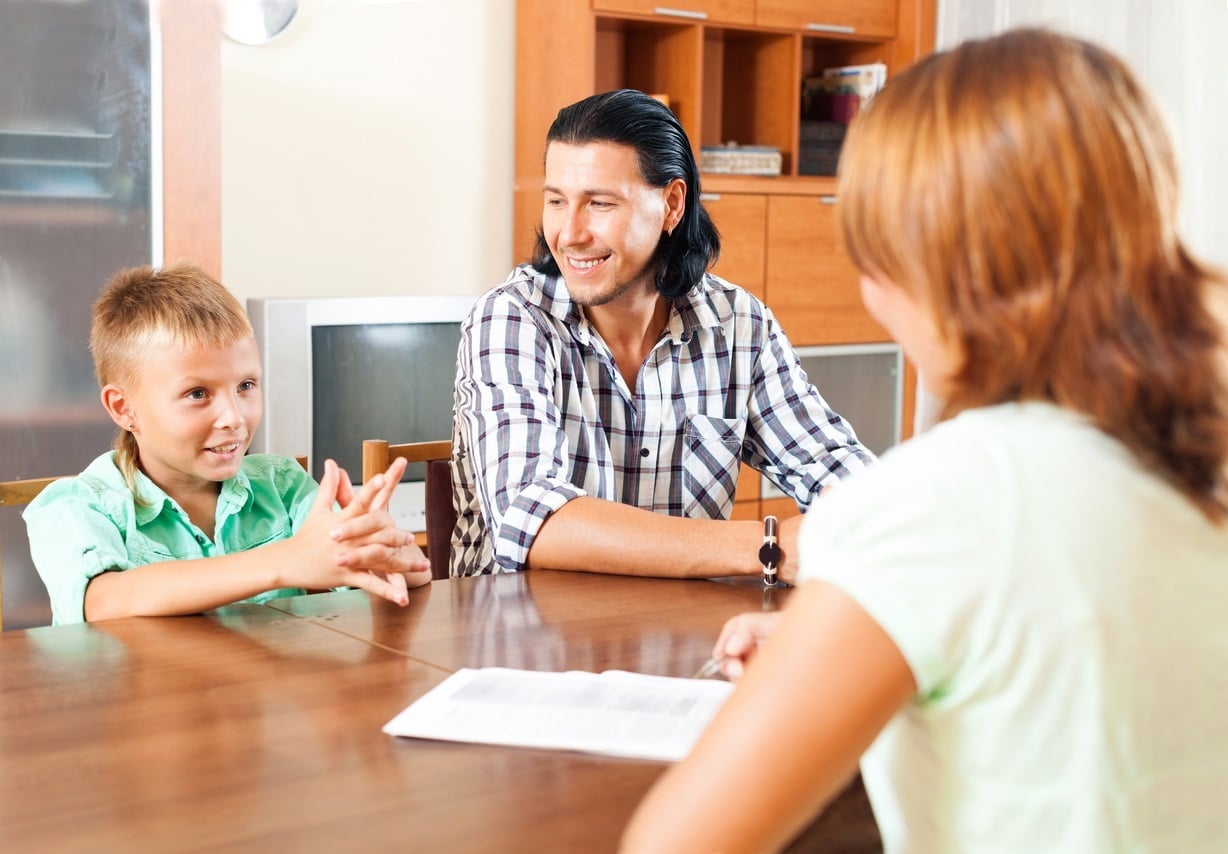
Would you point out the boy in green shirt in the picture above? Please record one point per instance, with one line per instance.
(170, 521)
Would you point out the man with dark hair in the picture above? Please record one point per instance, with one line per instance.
(607, 393)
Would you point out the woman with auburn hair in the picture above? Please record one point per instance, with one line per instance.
(1017, 621)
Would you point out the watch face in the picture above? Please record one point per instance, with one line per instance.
(769, 554)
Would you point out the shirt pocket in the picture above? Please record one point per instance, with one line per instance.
(712, 450)
(144, 552)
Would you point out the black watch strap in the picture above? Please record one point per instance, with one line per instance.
(769, 552)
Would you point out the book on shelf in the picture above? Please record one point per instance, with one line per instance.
(839, 92)
(863, 80)
(830, 102)
(615, 713)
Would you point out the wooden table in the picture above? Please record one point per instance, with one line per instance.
(258, 727)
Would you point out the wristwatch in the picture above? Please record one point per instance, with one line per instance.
(769, 552)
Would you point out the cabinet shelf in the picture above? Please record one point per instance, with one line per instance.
(782, 185)
(725, 83)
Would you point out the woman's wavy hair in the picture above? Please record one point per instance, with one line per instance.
(141, 308)
(630, 117)
(1024, 189)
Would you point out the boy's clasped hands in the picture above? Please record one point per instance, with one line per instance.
(358, 545)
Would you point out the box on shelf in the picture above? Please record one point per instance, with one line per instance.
(735, 159)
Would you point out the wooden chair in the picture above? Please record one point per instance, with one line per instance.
(377, 455)
(16, 493)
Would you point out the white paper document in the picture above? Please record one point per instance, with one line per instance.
(615, 712)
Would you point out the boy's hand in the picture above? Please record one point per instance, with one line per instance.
(358, 546)
(371, 540)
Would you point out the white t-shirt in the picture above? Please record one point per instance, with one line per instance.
(1065, 615)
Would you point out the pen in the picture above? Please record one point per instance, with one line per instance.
(711, 667)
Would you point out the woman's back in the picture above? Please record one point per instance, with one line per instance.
(1062, 612)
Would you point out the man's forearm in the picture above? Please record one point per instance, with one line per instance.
(595, 535)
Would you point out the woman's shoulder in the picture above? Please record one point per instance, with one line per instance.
(968, 463)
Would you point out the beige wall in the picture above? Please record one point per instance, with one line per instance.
(367, 150)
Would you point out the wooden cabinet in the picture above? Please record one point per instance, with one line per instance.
(742, 223)
(731, 70)
(812, 285)
(846, 17)
(746, 498)
(708, 11)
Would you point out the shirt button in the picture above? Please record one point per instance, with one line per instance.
(200, 540)
(643, 452)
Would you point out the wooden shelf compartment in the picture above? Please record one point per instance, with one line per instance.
(819, 52)
(751, 89)
(660, 58)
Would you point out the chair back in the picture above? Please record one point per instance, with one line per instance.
(15, 493)
(378, 454)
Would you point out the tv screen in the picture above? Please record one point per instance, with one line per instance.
(864, 383)
(388, 381)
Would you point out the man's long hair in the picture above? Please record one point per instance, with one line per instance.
(663, 151)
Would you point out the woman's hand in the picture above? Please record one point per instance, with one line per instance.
(740, 639)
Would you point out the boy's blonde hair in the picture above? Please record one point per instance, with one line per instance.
(1023, 187)
(145, 307)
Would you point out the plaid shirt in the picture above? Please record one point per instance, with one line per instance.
(543, 415)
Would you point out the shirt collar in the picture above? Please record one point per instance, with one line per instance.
(235, 495)
(696, 310)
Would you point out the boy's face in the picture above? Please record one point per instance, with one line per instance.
(194, 411)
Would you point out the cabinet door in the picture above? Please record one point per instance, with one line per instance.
(717, 11)
(781, 508)
(742, 223)
(863, 17)
(812, 285)
(746, 499)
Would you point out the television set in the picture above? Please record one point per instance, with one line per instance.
(341, 370)
(862, 382)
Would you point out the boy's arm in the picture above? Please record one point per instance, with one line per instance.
(329, 550)
(74, 534)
